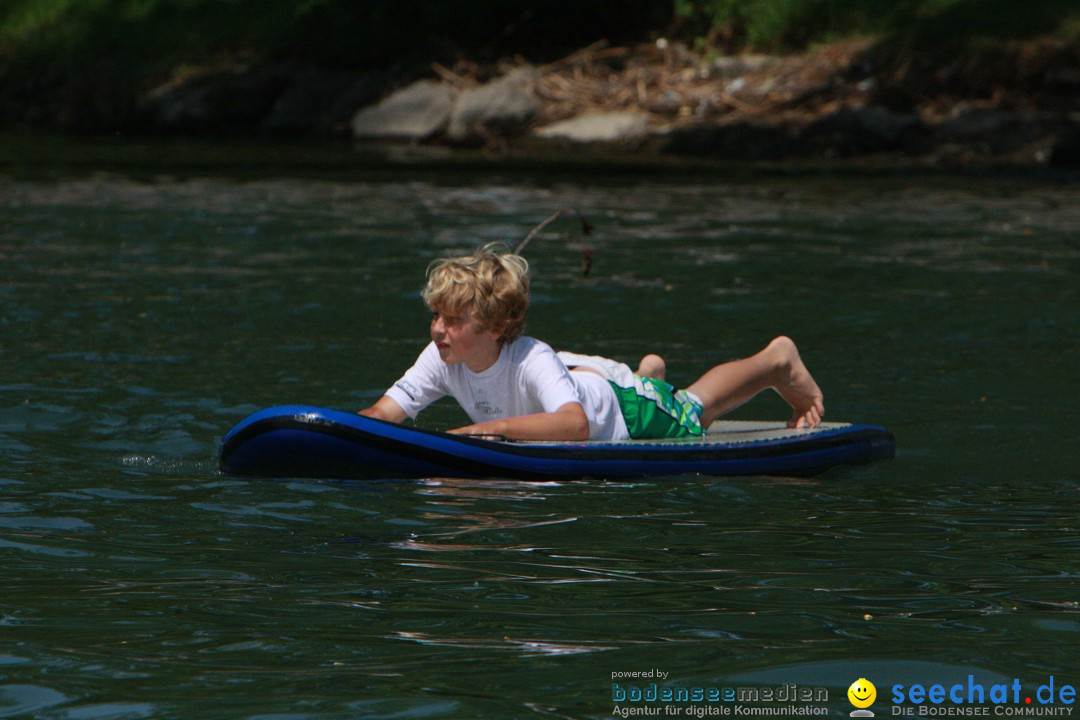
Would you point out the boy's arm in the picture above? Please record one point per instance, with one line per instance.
(385, 408)
(567, 423)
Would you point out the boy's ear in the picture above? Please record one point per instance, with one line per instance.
(496, 333)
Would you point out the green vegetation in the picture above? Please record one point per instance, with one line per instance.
(919, 24)
(90, 61)
(351, 33)
(87, 63)
(153, 36)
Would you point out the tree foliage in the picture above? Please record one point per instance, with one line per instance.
(921, 24)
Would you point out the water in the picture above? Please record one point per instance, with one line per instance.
(143, 317)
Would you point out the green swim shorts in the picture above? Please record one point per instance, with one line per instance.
(654, 409)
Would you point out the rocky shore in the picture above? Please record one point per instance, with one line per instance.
(1013, 105)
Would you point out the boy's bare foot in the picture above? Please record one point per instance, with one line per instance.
(652, 366)
(799, 390)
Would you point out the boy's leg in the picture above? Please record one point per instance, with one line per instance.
(652, 366)
(779, 367)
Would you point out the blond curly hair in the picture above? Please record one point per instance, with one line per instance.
(491, 285)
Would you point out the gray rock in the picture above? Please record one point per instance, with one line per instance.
(599, 127)
(219, 101)
(504, 106)
(863, 130)
(1065, 152)
(302, 107)
(365, 90)
(415, 112)
(736, 66)
(996, 131)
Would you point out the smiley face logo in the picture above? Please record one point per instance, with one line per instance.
(862, 694)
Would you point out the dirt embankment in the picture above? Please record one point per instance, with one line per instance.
(1013, 104)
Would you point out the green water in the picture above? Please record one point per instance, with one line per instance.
(142, 318)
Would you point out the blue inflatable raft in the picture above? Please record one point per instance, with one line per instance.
(311, 442)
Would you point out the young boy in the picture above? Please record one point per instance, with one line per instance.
(517, 387)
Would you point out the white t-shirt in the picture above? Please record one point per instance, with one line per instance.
(527, 378)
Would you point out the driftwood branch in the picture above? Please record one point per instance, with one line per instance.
(586, 230)
(536, 230)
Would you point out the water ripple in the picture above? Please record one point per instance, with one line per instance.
(143, 318)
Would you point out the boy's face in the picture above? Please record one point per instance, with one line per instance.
(460, 339)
